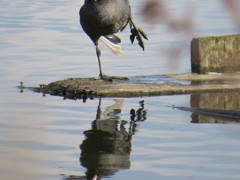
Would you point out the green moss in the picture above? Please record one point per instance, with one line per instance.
(216, 37)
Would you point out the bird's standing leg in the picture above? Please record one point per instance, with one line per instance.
(98, 52)
(138, 33)
(101, 75)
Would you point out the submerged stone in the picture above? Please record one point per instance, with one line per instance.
(84, 88)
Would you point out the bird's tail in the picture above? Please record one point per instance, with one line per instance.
(112, 43)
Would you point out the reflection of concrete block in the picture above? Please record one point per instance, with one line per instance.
(220, 100)
(215, 54)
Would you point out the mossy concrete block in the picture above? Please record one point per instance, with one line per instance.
(215, 54)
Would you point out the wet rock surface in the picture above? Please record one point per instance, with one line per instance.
(83, 88)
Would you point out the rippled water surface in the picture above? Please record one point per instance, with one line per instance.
(48, 137)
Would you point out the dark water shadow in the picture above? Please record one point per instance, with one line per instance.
(106, 148)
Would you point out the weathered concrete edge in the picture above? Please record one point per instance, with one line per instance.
(171, 91)
(206, 77)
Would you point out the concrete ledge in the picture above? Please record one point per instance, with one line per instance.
(215, 54)
(83, 88)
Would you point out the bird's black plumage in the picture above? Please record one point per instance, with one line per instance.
(106, 17)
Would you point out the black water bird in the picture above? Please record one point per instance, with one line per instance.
(100, 19)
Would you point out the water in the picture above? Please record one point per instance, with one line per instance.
(46, 137)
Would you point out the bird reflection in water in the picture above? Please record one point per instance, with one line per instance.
(107, 146)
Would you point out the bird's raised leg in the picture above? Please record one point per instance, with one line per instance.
(138, 33)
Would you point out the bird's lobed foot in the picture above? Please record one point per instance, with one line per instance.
(112, 78)
(138, 34)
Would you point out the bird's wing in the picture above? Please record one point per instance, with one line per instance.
(113, 38)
